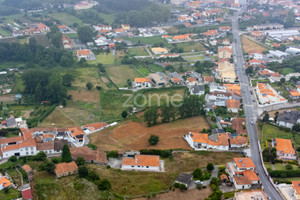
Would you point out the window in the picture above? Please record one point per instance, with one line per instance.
(26, 153)
(31, 148)
(132, 166)
(147, 166)
(139, 166)
(32, 153)
(26, 148)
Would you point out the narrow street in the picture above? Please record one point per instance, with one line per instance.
(250, 111)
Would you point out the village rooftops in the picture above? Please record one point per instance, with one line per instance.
(211, 33)
(209, 79)
(84, 52)
(45, 145)
(225, 48)
(27, 168)
(142, 160)
(5, 182)
(244, 162)
(95, 156)
(24, 144)
(95, 126)
(219, 139)
(142, 80)
(285, 146)
(232, 103)
(65, 167)
(296, 186)
(239, 124)
(11, 140)
(294, 93)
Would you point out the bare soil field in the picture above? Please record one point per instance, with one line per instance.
(7, 98)
(272, 113)
(58, 119)
(134, 135)
(193, 194)
(249, 45)
(85, 95)
(104, 80)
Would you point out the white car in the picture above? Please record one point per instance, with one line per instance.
(198, 182)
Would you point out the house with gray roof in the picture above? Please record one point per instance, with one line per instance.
(288, 119)
(197, 90)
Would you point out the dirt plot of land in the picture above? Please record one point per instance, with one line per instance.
(85, 95)
(7, 98)
(178, 194)
(134, 135)
(249, 45)
(272, 113)
(104, 80)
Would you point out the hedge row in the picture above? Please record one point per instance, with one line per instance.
(162, 153)
(284, 173)
(34, 121)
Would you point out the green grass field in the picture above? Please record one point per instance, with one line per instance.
(194, 58)
(66, 19)
(11, 194)
(286, 71)
(155, 68)
(120, 74)
(270, 132)
(147, 40)
(191, 46)
(138, 51)
(4, 33)
(108, 18)
(106, 59)
(144, 71)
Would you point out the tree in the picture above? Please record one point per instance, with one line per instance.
(124, 114)
(153, 140)
(40, 156)
(67, 80)
(83, 171)
(80, 161)
(89, 85)
(249, 70)
(266, 117)
(93, 176)
(269, 154)
(282, 80)
(13, 159)
(296, 127)
(49, 167)
(151, 116)
(66, 155)
(197, 174)
(210, 167)
(85, 34)
(103, 184)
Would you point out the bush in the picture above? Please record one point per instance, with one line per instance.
(103, 184)
(210, 167)
(284, 173)
(92, 146)
(80, 161)
(288, 167)
(56, 160)
(153, 140)
(93, 176)
(197, 174)
(13, 159)
(162, 153)
(83, 171)
(40, 156)
(112, 154)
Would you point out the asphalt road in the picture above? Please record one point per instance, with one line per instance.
(250, 109)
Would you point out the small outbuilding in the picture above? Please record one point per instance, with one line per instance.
(184, 179)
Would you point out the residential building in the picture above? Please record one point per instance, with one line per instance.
(91, 156)
(233, 105)
(234, 88)
(242, 173)
(159, 50)
(296, 187)
(285, 150)
(208, 79)
(125, 26)
(267, 95)
(250, 194)
(267, 26)
(142, 83)
(141, 163)
(191, 81)
(84, 53)
(4, 182)
(67, 43)
(94, 127)
(288, 119)
(26, 192)
(228, 76)
(294, 94)
(219, 141)
(24, 148)
(76, 134)
(184, 179)
(239, 125)
(257, 34)
(224, 52)
(181, 38)
(197, 90)
(157, 79)
(65, 169)
(219, 98)
(256, 62)
(211, 33)
(47, 147)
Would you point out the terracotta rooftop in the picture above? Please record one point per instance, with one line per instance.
(88, 154)
(45, 145)
(232, 103)
(285, 146)
(244, 162)
(238, 125)
(142, 160)
(296, 186)
(65, 167)
(27, 168)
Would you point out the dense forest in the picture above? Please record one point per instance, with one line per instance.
(34, 55)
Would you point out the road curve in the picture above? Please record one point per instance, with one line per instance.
(250, 111)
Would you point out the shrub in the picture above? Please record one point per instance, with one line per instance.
(103, 184)
(80, 161)
(13, 159)
(92, 146)
(197, 174)
(83, 171)
(93, 176)
(288, 167)
(153, 140)
(210, 167)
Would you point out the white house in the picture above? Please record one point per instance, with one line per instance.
(94, 127)
(141, 163)
(285, 150)
(142, 82)
(84, 53)
(24, 148)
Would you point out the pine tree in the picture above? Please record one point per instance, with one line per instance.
(66, 155)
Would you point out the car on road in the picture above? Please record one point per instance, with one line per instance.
(198, 182)
(252, 122)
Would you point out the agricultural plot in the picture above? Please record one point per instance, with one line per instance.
(137, 134)
(249, 45)
(120, 74)
(144, 71)
(191, 46)
(137, 51)
(147, 40)
(4, 33)
(105, 59)
(66, 19)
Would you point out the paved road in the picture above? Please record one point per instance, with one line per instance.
(250, 110)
